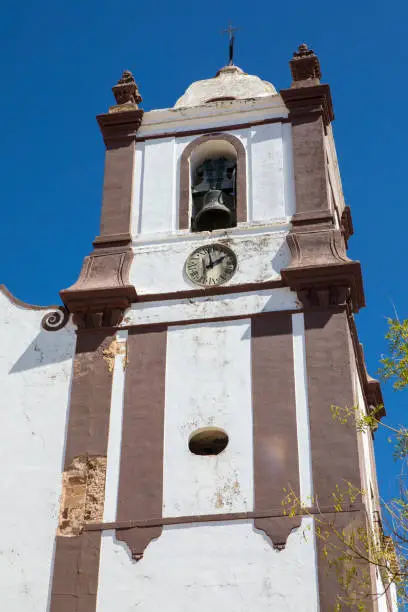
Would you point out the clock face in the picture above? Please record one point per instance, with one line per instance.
(212, 264)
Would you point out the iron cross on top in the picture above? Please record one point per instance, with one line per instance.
(231, 32)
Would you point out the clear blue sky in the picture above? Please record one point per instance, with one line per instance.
(59, 60)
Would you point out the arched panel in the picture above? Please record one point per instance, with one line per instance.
(188, 152)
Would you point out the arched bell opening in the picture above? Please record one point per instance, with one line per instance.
(213, 167)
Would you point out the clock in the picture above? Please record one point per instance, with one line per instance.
(212, 264)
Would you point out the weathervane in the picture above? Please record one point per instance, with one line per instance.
(231, 32)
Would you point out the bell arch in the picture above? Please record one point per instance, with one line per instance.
(231, 142)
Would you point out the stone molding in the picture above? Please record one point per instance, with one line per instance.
(102, 292)
(278, 529)
(310, 99)
(120, 126)
(320, 270)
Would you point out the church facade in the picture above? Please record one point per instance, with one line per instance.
(168, 435)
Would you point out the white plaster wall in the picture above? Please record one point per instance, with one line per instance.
(302, 410)
(394, 597)
(158, 189)
(137, 189)
(115, 428)
(269, 173)
(382, 597)
(189, 309)
(158, 266)
(35, 375)
(208, 383)
(289, 177)
(222, 567)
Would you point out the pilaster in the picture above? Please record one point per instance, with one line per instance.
(320, 270)
(102, 291)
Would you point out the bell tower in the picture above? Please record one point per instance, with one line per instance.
(215, 330)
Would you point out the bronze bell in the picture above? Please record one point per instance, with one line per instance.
(214, 195)
(214, 214)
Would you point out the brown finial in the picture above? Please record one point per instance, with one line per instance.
(305, 67)
(126, 91)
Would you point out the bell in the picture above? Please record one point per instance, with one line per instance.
(214, 214)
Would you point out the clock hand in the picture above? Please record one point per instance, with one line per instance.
(219, 260)
(211, 264)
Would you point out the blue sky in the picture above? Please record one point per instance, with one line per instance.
(59, 60)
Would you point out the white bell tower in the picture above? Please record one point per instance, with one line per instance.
(215, 330)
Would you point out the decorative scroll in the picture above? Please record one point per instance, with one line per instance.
(56, 319)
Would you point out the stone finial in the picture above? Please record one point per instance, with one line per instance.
(305, 67)
(126, 91)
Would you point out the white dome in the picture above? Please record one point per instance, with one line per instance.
(230, 83)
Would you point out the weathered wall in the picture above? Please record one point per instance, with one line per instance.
(187, 309)
(225, 567)
(159, 256)
(159, 267)
(35, 377)
(269, 177)
(208, 384)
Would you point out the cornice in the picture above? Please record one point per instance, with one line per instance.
(303, 101)
(330, 285)
(120, 125)
(212, 115)
(320, 270)
(102, 292)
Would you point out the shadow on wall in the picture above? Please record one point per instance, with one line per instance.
(46, 348)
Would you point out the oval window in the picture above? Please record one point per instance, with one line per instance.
(208, 441)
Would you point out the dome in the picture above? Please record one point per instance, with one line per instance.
(230, 83)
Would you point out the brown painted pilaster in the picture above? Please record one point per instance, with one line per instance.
(320, 270)
(334, 446)
(274, 413)
(141, 468)
(88, 424)
(117, 190)
(310, 169)
(328, 362)
(103, 287)
(76, 567)
(119, 132)
(76, 564)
